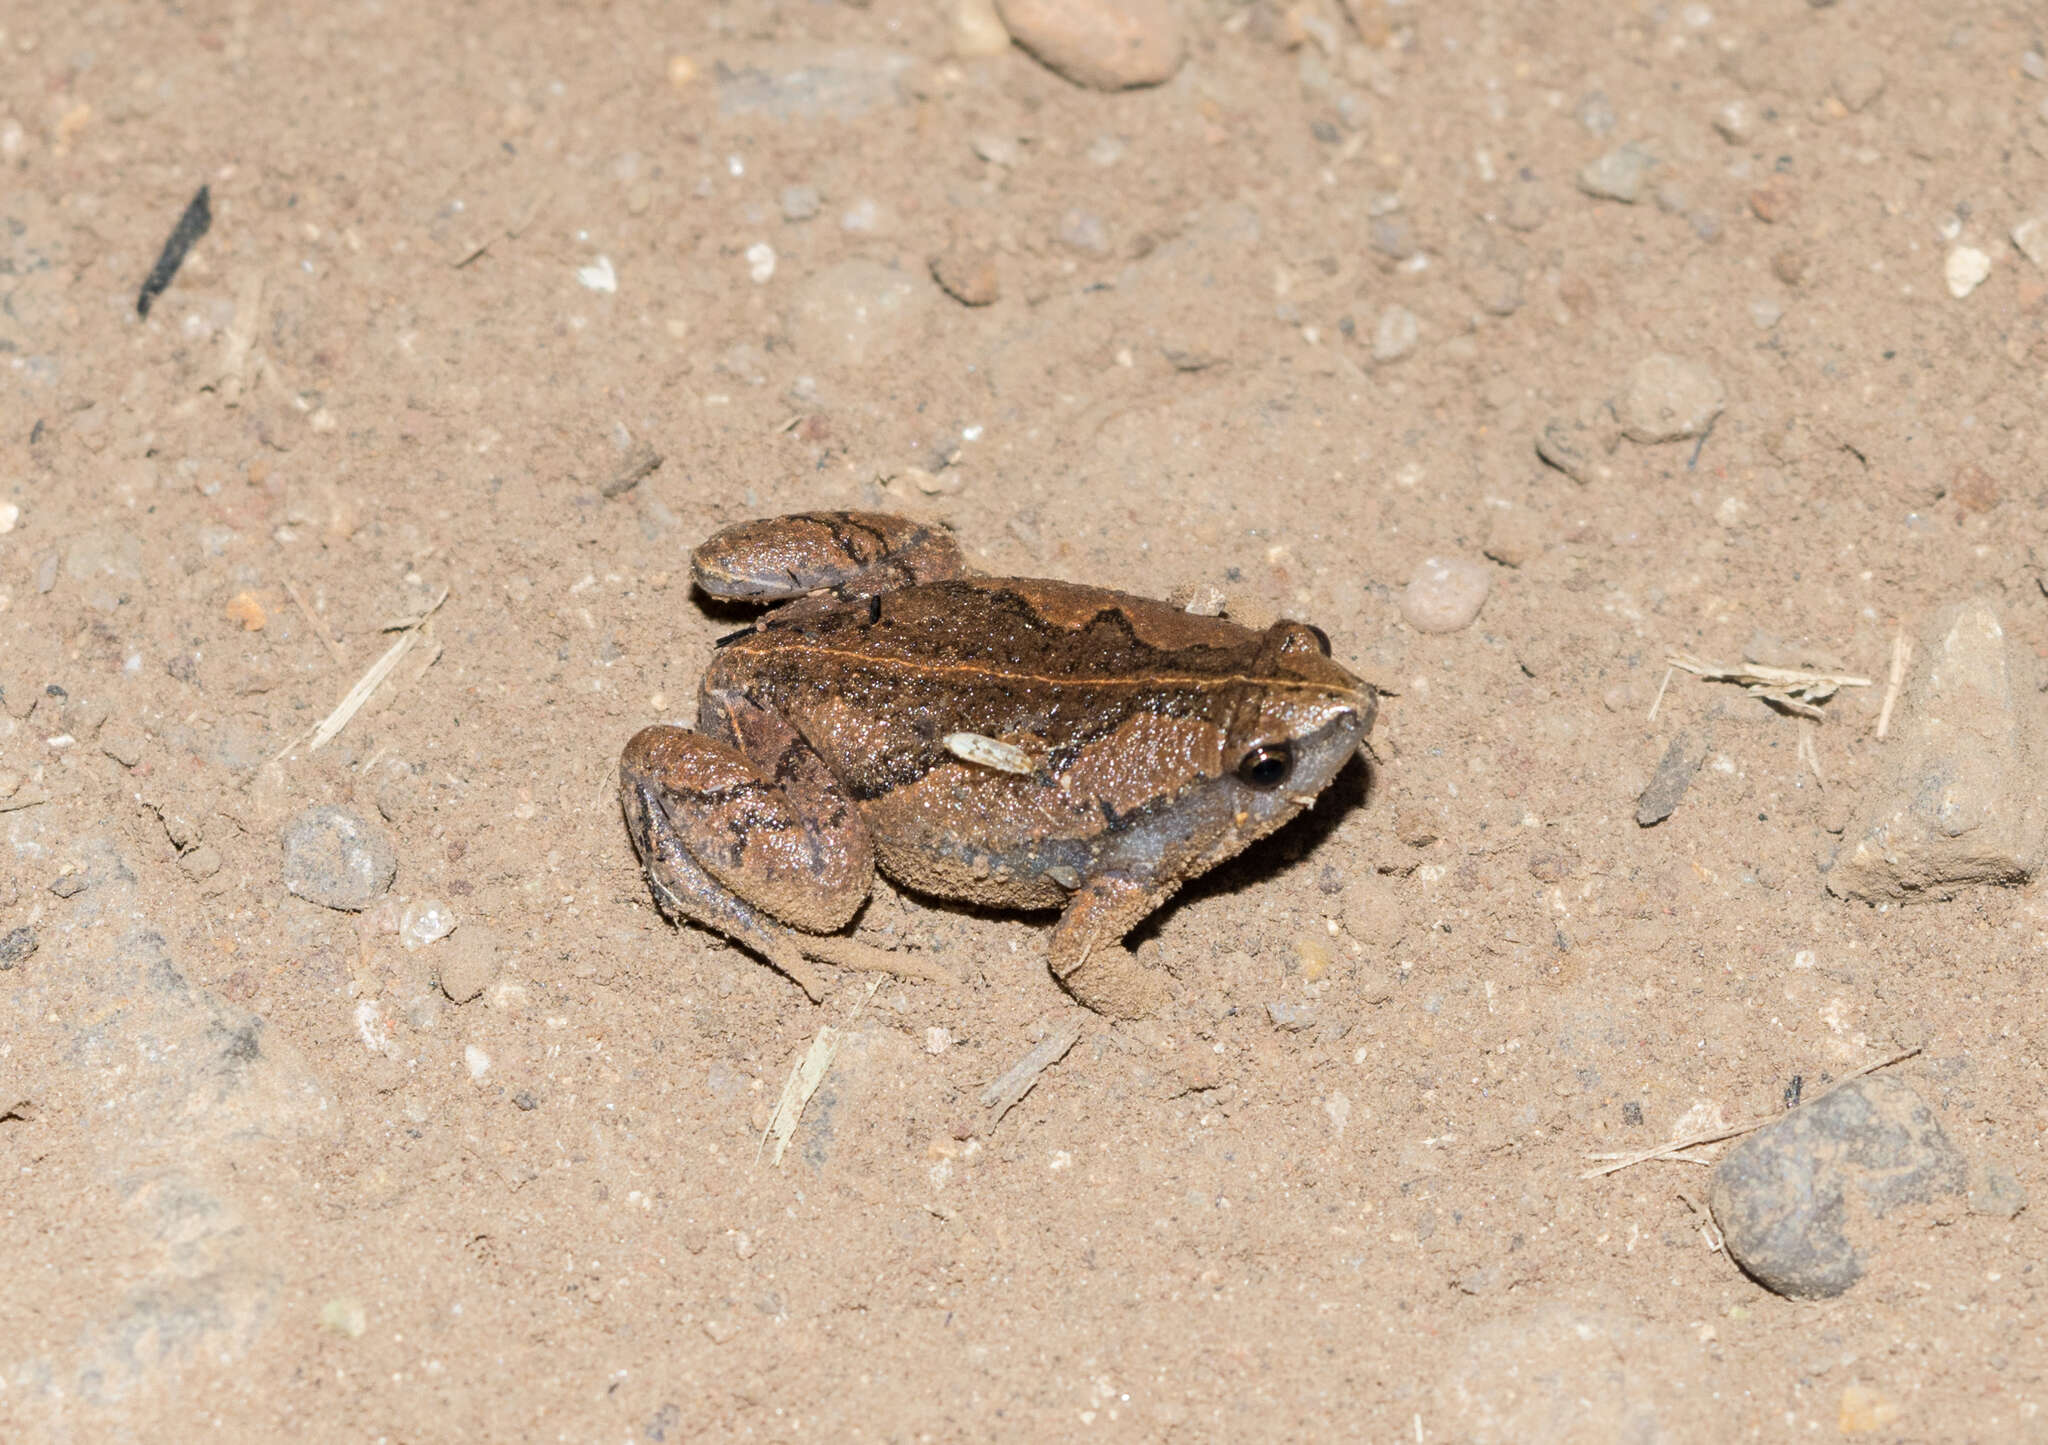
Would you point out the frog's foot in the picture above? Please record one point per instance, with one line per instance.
(726, 847)
(1087, 953)
(855, 553)
(852, 953)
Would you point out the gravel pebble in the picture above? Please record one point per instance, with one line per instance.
(1102, 44)
(1294, 1018)
(1445, 594)
(1736, 122)
(1513, 537)
(1765, 313)
(2031, 236)
(1395, 334)
(1669, 399)
(16, 947)
(1787, 1196)
(425, 921)
(1965, 269)
(1617, 176)
(1084, 231)
(967, 274)
(201, 863)
(334, 858)
(974, 30)
(1528, 205)
(800, 203)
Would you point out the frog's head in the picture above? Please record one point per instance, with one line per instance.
(1296, 728)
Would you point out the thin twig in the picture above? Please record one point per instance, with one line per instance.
(1672, 1148)
(1016, 1081)
(1901, 649)
(333, 650)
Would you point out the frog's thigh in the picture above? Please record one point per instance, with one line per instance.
(793, 848)
(1087, 952)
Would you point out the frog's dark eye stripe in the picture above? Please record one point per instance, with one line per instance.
(1267, 765)
(1322, 637)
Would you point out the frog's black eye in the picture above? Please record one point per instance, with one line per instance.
(1267, 765)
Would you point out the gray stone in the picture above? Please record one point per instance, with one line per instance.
(16, 947)
(1294, 1018)
(1669, 399)
(1617, 176)
(106, 563)
(337, 859)
(800, 82)
(1964, 804)
(1674, 775)
(1395, 334)
(1577, 449)
(800, 203)
(1794, 1200)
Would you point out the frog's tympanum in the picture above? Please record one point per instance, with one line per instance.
(1007, 742)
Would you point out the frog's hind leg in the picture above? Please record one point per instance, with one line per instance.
(746, 833)
(855, 554)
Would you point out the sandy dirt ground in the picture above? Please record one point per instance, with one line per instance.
(1284, 326)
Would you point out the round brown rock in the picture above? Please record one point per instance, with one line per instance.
(1102, 44)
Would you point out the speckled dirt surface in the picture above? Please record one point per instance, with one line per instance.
(263, 1178)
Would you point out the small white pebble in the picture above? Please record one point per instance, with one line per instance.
(760, 262)
(426, 921)
(1445, 594)
(599, 276)
(1965, 270)
(9, 515)
(937, 1040)
(478, 1061)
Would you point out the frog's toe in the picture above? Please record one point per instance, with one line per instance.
(1115, 983)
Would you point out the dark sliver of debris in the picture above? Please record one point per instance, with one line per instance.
(1673, 776)
(184, 236)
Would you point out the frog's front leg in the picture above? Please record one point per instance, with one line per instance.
(1087, 952)
(746, 831)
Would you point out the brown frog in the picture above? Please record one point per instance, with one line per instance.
(1008, 742)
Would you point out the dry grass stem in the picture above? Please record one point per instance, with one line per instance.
(1809, 753)
(1789, 688)
(326, 730)
(1016, 1081)
(1658, 701)
(804, 1078)
(1901, 650)
(1675, 1148)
